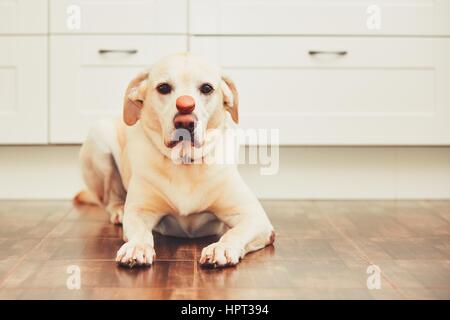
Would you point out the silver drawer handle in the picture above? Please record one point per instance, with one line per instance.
(317, 52)
(127, 51)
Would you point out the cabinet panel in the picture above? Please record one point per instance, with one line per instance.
(87, 85)
(350, 91)
(23, 16)
(305, 17)
(118, 16)
(23, 89)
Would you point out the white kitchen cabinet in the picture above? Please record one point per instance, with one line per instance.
(118, 16)
(89, 75)
(320, 17)
(323, 72)
(23, 90)
(340, 90)
(23, 16)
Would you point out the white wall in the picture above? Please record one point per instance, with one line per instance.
(51, 172)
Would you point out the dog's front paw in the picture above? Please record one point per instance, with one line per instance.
(135, 254)
(220, 255)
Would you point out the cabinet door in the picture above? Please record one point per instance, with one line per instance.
(118, 16)
(89, 75)
(23, 16)
(320, 17)
(23, 89)
(340, 91)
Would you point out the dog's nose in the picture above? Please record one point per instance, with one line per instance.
(185, 104)
(185, 121)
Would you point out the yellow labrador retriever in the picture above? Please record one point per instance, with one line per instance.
(129, 166)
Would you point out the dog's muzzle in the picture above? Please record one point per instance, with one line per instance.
(185, 121)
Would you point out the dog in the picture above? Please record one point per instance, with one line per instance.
(129, 169)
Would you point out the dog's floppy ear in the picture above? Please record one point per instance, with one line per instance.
(134, 98)
(230, 98)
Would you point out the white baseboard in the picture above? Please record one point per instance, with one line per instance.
(52, 172)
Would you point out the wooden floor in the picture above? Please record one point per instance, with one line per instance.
(322, 251)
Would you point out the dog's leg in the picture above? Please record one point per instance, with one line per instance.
(246, 235)
(100, 172)
(116, 197)
(138, 222)
(250, 229)
(103, 180)
(139, 248)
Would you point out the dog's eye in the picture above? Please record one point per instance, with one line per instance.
(206, 88)
(164, 88)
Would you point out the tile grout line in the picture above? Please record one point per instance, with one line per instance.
(106, 260)
(253, 260)
(22, 258)
(205, 288)
(361, 253)
(281, 236)
(194, 280)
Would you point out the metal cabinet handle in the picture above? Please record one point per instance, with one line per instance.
(317, 52)
(128, 51)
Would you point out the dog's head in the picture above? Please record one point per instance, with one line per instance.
(180, 97)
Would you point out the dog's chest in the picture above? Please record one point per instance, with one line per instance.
(187, 198)
(186, 190)
(172, 188)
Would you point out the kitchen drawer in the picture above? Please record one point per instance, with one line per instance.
(306, 17)
(118, 16)
(349, 91)
(87, 85)
(23, 90)
(23, 16)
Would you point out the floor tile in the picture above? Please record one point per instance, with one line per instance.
(76, 249)
(32, 274)
(322, 251)
(37, 218)
(86, 229)
(414, 248)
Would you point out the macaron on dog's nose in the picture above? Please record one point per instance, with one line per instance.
(185, 104)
